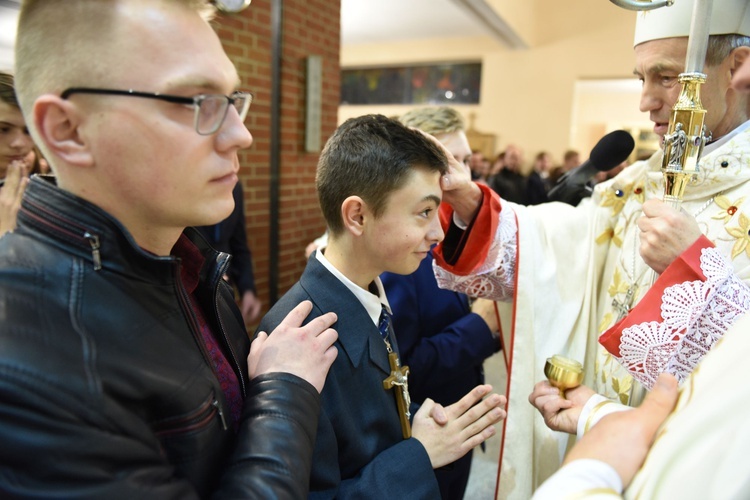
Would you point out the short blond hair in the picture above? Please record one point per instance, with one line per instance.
(61, 44)
(434, 120)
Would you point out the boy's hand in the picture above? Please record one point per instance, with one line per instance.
(469, 423)
(560, 414)
(306, 351)
(486, 309)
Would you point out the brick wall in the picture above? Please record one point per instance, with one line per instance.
(309, 27)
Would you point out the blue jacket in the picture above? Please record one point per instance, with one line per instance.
(359, 448)
(440, 339)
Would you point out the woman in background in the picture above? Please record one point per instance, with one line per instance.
(16, 149)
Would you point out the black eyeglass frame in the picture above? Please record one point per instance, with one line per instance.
(177, 99)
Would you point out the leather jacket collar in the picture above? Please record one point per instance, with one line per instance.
(85, 230)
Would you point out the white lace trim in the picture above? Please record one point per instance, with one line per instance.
(496, 278)
(695, 315)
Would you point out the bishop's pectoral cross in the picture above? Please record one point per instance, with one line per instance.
(398, 379)
(624, 307)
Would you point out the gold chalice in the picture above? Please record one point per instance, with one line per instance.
(563, 373)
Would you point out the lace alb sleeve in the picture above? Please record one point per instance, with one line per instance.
(495, 279)
(695, 314)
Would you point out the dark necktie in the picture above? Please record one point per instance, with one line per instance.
(385, 325)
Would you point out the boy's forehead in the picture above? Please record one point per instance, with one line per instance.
(417, 186)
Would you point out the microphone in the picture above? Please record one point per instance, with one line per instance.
(610, 151)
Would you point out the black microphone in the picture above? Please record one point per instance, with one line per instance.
(610, 151)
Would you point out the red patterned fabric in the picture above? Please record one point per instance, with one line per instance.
(680, 319)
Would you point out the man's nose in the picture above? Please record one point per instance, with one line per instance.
(650, 99)
(233, 131)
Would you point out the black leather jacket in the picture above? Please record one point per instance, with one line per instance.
(106, 389)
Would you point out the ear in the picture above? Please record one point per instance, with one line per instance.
(737, 57)
(354, 213)
(57, 122)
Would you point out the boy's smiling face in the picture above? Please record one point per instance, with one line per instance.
(401, 236)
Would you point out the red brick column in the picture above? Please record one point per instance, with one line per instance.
(309, 27)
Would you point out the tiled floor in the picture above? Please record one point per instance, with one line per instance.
(484, 465)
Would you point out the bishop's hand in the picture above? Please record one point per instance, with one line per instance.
(459, 191)
(665, 234)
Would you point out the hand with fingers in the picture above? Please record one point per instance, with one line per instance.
(665, 234)
(560, 413)
(459, 191)
(305, 351)
(448, 433)
(487, 310)
(16, 180)
(623, 439)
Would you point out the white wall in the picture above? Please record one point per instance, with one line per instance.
(528, 95)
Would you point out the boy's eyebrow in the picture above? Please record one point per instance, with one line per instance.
(432, 197)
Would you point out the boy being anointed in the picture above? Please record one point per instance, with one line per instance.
(378, 185)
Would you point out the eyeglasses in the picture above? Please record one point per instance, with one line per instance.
(210, 109)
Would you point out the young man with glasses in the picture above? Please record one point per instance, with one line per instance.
(125, 368)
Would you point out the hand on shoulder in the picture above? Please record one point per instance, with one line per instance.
(305, 351)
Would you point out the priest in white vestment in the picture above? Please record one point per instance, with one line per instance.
(567, 272)
(700, 452)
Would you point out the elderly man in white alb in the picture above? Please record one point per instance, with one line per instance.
(569, 272)
(701, 451)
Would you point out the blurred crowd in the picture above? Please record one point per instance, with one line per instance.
(528, 183)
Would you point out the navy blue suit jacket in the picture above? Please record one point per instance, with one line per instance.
(440, 339)
(359, 449)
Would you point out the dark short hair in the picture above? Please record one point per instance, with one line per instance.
(8, 90)
(371, 156)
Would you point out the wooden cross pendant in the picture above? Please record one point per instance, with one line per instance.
(398, 379)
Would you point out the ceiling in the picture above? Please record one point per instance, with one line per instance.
(374, 21)
(362, 21)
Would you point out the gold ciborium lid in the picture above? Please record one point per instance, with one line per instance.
(563, 373)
